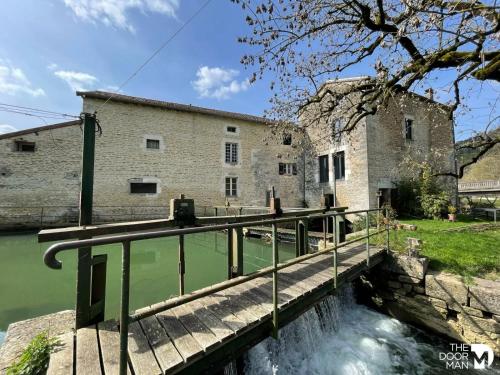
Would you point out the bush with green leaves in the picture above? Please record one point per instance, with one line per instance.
(433, 200)
(35, 358)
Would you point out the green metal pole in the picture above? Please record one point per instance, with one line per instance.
(124, 308)
(275, 281)
(335, 261)
(182, 263)
(367, 238)
(83, 279)
(388, 228)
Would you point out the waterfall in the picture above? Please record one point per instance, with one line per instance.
(339, 336)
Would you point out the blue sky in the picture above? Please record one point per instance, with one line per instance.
(49, 48)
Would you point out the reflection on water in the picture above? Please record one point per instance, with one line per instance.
(28, 288)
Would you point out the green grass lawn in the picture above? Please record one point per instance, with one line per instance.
(466, 252)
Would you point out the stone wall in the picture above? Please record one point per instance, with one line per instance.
(403, 287)
(43, 186)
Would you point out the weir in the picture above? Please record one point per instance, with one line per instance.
(204, 330)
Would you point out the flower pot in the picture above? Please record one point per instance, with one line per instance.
(452, 217)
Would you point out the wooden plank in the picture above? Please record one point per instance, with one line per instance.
(140, 353)
(238, 298)
(165, 352)
(250, 294)
(235, 308)
(61, 360)
(87, 352)
(224, 314)
(187, 346)
(201, 333)
(109, 338)
(217, 326)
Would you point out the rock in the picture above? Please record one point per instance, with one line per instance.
(446, 287)
(409, 279)
(394, 284)
(472, 311)
(405, 265)
(419, 289)
(479, 325)
(485, 295)
(407, 288)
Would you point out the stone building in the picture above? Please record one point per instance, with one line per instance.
(149, 152)
(379, 152)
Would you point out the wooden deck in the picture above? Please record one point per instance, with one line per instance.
(203, 335)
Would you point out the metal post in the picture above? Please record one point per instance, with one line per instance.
(388, 228)
(182, 263)
(235, 252)
(83, 279)
(41, 218)
(367, 238)
(335, 260)
(124, 309)
(298, 238)
(275, 281)
(325, 229)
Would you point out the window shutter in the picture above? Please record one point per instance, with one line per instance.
(281, 168)
(294, 168)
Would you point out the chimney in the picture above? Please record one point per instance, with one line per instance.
(430, 93)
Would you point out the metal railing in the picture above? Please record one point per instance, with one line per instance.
(50, 259)
(484, 185)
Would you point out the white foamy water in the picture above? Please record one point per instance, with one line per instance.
(342, 337)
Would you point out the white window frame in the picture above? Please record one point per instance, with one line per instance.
(234, 151)
(152, 137)
(233, 186)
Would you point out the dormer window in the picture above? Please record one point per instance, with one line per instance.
(23, 146)
(408, 130)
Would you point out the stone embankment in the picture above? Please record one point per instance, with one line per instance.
(466, 311)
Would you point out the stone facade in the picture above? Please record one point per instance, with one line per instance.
(190, 160)
(377, 155)
(403, 287)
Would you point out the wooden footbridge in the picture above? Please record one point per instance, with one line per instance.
(204, 330)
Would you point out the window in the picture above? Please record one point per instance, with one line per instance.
(288, 169)
(23, 146)
(231, 129)
(231, 186)
(143, 188)
(323, 168)
(153, 144)
(232, 153)
(337, 127)
(408, 128)
(287, 139)
(339, 164)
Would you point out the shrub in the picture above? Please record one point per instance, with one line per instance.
(35, 358)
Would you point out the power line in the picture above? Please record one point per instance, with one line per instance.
(157, 51)
(34, 114)
(23, 110)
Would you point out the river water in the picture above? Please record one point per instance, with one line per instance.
(342, 337)
(28, 288)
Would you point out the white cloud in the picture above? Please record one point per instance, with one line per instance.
(7, 129)
(114, 12)
(78, 81)
(218, 83)
(13, 81)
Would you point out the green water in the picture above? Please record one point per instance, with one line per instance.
(28, 288)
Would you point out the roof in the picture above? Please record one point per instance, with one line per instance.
(39, 129)
(172, 106)
(361, 79)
